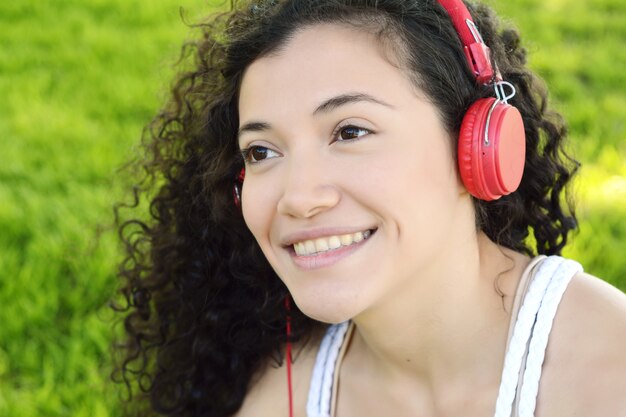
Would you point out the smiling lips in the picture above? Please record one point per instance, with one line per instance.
(324, 244)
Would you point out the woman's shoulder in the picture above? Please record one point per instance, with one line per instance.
(268, 393)
(585, 365)
(598, 309)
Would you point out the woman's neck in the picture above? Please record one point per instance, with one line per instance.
(449, 327)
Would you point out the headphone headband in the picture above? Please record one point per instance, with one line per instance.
(476, 52)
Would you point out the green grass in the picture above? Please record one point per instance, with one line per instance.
(78, 82)
(79, 79)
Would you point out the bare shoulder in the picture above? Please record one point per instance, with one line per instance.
(599, 308)
(585, 367)
(268, 394)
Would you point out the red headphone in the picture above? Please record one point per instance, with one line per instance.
(492, 142)
(237, 187)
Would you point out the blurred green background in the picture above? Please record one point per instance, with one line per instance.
(78, 81)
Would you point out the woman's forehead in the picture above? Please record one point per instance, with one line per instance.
(318, 62)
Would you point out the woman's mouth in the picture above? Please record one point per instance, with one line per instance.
(325, 251)
(324, 244)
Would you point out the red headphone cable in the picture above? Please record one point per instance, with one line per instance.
(288, 355)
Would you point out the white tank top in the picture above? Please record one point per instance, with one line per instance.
(541, 287)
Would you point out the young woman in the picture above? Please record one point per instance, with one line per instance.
(373, 190)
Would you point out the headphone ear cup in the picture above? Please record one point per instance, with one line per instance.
(237, 187)
(492, 149)
(237, 195)
(465, 154)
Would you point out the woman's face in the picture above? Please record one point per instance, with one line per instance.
(351, 188)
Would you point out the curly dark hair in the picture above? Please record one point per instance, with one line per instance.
(203, 310)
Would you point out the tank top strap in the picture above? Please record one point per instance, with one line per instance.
(323, 377)
(541, 288)
(342, 353)
(522, 289)
(520, 292)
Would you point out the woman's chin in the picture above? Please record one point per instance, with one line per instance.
(325, 310)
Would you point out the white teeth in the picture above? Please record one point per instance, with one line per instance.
(345, 239)
(323, 244)
(334, 242)
(298, 247)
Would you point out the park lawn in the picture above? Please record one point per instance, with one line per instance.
(80, 78)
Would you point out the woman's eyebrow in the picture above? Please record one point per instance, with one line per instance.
(349, 98)
(325, 107)
(253, 127)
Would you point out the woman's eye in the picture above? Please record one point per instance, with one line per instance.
(351, 132)
(255, 154)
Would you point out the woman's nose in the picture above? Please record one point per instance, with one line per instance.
(308, 189)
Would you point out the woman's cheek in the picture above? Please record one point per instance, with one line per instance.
(259, 202)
